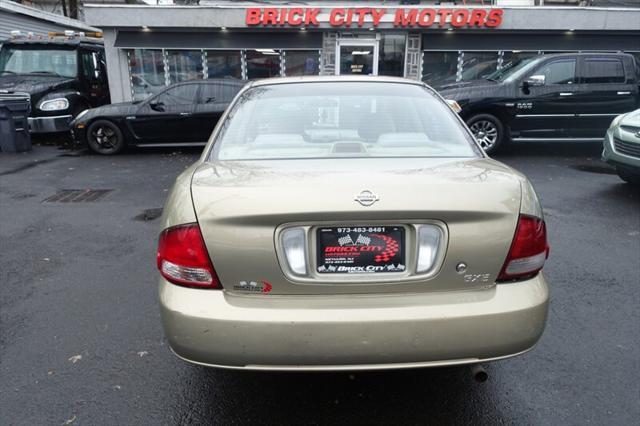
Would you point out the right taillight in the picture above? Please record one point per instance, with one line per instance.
(529, 249)
(183, 259)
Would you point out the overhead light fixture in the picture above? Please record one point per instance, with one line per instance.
(223, 28)
(371, 29)
(145, 28)
(267, 51)
(303, 29)
(361, 52)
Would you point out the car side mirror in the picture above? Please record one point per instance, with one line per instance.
(157, 106)
(535, 81)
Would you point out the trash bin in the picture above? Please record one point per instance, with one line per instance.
(14, 123)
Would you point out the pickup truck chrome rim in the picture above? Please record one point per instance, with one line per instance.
(485, 132)
(105, 137)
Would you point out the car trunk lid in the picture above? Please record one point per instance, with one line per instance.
(241, 207)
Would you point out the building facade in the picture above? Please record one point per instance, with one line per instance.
(150, 47)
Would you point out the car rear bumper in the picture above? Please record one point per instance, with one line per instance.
(353, 331)
(55, 124)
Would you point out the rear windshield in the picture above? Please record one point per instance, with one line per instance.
(341, 119)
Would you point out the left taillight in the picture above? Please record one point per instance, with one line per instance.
(529, 250)
(183, 258)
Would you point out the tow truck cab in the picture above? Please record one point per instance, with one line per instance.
(63, 75)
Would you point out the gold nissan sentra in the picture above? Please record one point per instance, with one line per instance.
(349, 223)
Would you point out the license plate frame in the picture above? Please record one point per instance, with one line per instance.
(361, 250)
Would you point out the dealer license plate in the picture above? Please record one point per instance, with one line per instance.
(360, 250)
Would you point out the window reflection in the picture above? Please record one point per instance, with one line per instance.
(512, 58)
(146, 69)
(262, 63)
(224, 63)
(184, 65)
(439, 67)
(391, 55)
(478, 65)
(301, 62)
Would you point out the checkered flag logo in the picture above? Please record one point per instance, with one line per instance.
(362, 240)
(392, 247)
(345, 240)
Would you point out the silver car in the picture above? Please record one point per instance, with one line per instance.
(622, 146)
(349, 223)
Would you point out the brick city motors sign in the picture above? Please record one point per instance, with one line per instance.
(371, 17)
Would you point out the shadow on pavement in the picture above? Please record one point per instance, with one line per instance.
(621, 192)
(551, 149)
(434, 396)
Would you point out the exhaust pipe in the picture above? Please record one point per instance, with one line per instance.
(479, 373)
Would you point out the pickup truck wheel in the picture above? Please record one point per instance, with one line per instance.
(488, 131)
(105, 138)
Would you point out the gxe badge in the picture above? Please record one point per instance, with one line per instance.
(366, 198)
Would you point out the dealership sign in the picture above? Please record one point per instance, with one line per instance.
(372, 18)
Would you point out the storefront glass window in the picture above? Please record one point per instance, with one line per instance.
(356, 59)
(224, 63)
(513, 58)
(478, 65)
(301, 62)
(439, 67)
(262, 63)
(184, 65)
(391, 55)
(146, 68)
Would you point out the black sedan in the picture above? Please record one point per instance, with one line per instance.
(182, 114)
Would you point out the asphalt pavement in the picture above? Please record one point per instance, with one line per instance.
(81, 341)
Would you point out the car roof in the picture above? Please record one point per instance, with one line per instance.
(560, 55)
(334, 78)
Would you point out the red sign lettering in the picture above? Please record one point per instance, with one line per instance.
(371, 17)
(426, 17)
(311, 17)
(336, 17)
(253, 16)
(494, 19)
(403, 19)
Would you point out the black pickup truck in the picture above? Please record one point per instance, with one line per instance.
(62, 76)
(570, 96)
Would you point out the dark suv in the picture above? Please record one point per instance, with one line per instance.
(63, 76)
(549, 97)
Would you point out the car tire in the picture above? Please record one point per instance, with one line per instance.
(488, 131)
(105, 137)
(632, 178)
